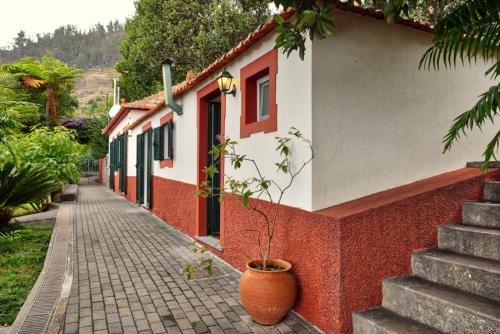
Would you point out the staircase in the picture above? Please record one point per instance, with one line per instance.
(453, 289)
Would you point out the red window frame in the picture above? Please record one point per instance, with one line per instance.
(164, 120)
(262, 66)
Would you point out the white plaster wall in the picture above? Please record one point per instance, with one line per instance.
(118, 129)
(378, 121)
(294, 109)
(293, 97)
(185, 147)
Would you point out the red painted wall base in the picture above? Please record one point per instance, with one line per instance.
(341, 254)
(116, 188)
(175, 203)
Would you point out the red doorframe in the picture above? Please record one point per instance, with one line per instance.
(204, 95)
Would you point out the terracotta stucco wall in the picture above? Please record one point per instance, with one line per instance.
(341, 254)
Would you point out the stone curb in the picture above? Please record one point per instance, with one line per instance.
(43, 310)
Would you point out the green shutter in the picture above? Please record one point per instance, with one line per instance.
(158, 143)
(149, 171)
(123, 164)
(140, 169)
(170, 148)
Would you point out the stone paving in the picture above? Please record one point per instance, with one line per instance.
(127, 280)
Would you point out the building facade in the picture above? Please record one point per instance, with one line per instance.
(377, 188)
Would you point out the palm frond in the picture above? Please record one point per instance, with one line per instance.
(23, 185)
(486, 108)
(469, 30)
(8, 80)
(490, 151)
(33, 82)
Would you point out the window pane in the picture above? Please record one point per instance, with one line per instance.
(264, 99)
(165, 141)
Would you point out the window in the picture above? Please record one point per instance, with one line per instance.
(258, 95)
(263, 98)
(163, 142)
(168, 138)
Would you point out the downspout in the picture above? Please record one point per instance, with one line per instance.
(167, 87)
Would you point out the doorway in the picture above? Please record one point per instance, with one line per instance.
(211, 112)
(144, 164)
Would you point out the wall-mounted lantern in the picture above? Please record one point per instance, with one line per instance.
(167, 86)
(225, 83)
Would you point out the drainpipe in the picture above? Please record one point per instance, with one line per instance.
(167, 87)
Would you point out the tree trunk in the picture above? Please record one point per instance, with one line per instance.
(51, 107)
(5, 217)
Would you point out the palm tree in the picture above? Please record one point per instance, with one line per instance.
(49, 74)
(22, 185)
(468, 31)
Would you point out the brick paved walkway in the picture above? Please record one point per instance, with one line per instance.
(126, 277)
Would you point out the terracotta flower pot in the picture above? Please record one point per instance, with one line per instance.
(268, 296)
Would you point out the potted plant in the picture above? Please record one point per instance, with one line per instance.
(268, 288)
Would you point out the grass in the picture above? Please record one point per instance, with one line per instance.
(21, 260)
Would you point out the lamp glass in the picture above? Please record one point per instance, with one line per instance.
(224, 81)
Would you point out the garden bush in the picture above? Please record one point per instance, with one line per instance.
(55, 148)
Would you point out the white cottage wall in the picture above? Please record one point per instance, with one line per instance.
(378, 121)
(294, 109)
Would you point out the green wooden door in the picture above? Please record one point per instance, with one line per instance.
(149, 170)
(213, 139)
(139, 179)
(112, 166)
(123, 162)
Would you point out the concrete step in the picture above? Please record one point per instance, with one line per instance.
(446, 309)
(491, 191)
(470, 240)
(69, 193)
(467, 273)
(382, 321)
(481, 214)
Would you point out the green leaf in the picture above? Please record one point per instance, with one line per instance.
(246, 198)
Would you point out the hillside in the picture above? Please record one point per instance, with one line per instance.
(96, 47)
(95, 83)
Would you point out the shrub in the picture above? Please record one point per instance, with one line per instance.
(54, 148)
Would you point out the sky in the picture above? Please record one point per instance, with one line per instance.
(42, 16)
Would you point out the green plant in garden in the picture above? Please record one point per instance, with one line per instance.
(21, 260)
(54, 148)
(12, 110)
(27, 183)
(206, 261)
(265, 212)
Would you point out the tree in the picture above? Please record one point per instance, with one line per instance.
(70, 45)
(12, 110)
(191, 33)
(314, 18)
(49, 74)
